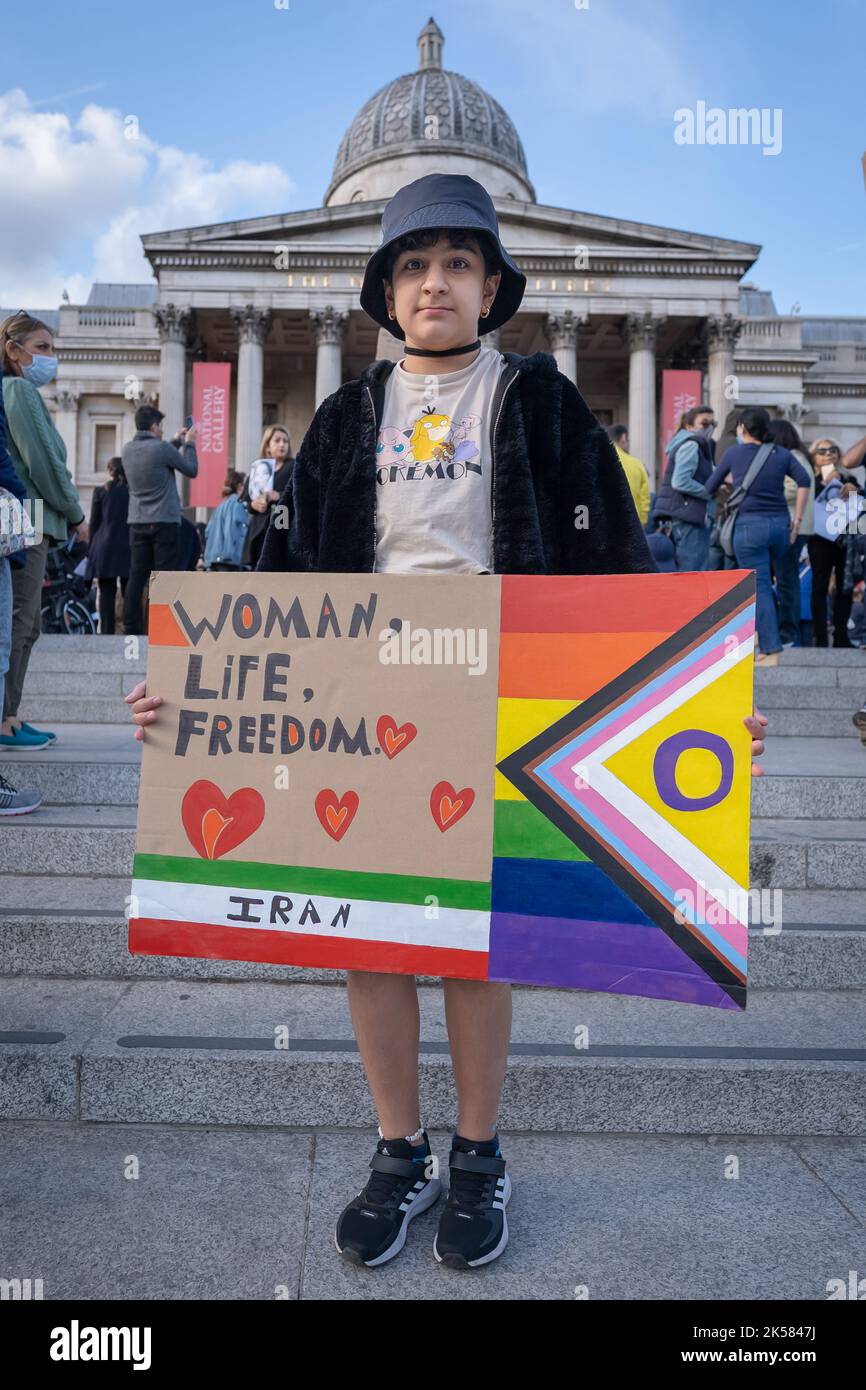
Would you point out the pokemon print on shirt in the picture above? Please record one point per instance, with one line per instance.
(433, 470)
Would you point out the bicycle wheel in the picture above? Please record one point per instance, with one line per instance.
(76, 618)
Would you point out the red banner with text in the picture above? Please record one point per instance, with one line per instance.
(211, 388)
(681, 391)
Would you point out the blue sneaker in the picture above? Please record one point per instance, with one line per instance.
(22, 739)
(38, 733)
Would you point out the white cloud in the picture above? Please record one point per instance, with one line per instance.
(77, 197)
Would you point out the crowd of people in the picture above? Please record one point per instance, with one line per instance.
(770, 487)
(763, 500)
(136, 523)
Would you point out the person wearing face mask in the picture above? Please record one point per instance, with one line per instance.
(827, 557)
(39, 457)
(764, 531)
(683, 498)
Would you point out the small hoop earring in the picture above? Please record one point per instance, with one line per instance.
(484, 313)
(390, 315)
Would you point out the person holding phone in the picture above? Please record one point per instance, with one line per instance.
(826, 554)
(150, 464)
(276, 445)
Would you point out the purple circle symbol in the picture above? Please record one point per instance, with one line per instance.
(665, 769)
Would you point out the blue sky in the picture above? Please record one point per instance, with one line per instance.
(241, 107)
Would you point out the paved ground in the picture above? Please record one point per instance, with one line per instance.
(249, 1213)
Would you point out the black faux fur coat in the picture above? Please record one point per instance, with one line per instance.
(551, 457)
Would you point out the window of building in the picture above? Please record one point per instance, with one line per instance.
(104, 446)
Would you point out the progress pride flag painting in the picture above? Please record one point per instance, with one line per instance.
(211, 388)
(555, 793)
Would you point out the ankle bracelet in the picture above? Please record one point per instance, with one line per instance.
(415, 1138)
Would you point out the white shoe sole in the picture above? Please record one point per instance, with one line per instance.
(422, 1202)
(503, 1240)
(21, 810)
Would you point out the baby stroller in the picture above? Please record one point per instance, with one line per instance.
(67, 603)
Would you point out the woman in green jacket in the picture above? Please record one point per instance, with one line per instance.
(39, 458)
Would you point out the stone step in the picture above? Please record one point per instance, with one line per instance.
(822, 657)
(68, 841)
(184, 1052)
(816, 699)
(85, 840)
(833, 798)
(84, 643)
(803, 776)
(67, 780)
(61, 664)
(813, 677)
(87, 944)
(86, 765)
(47, 710)
(816, 722)
(73, 783)
(107, 685)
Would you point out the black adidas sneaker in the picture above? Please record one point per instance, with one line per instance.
(473, 1229)
(373, 1227)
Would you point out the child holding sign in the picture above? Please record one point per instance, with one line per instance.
(459, 459)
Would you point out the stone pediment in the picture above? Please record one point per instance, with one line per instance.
(528, 229)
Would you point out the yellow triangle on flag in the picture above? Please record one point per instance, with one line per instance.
(719, 831)
(517, 722)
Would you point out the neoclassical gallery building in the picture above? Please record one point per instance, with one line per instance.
(276, 296)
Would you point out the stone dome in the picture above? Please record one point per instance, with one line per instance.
(429, 121)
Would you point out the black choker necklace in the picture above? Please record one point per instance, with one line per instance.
(441, 352)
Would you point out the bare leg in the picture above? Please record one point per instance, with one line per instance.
(385, 1018)
(478, 1015)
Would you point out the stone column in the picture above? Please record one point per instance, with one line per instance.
(253, 327)
(66, 422)
(329, 325)
(562, 330)
(641, 331)
(174, 326)
(722, 332)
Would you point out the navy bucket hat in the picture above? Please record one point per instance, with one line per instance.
(441, 200)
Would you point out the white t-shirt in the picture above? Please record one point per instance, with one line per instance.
(433, 502)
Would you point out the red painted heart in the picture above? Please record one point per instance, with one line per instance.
(216, 823)
(449, 806)
(335, 815)
(393, 739)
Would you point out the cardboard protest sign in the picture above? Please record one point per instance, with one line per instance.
(556, 792)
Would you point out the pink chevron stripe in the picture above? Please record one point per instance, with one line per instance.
(562, 769)
(644, 851)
